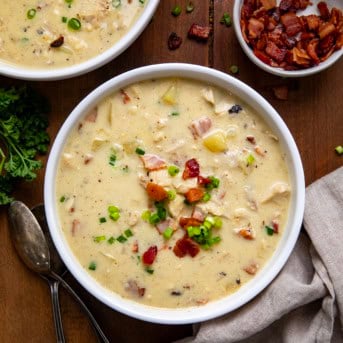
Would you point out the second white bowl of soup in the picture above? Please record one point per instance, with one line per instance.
(51, 40)
(174, 193)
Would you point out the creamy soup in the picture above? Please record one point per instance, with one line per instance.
(61, 33)
(172, 192)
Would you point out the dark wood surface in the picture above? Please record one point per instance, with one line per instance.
(313, 113)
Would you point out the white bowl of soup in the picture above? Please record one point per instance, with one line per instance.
(174, 193)
(52, 40)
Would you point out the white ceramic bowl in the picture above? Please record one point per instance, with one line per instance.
(279, 71)
(22, 72)
(247, 291)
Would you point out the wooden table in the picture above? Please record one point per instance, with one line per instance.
(313, 113)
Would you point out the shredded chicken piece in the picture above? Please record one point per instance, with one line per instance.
(277, 189)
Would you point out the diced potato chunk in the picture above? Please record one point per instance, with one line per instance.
(216, 141)
(169, 97)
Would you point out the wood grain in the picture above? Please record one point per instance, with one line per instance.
(313, 113)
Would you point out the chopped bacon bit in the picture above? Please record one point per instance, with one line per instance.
(156, 192)
(57, 42)
(88, 158)
(92, 115)
(275, 52)
(259, 151)
(186, 222)
(246, 233)
(150, 255)
(200, 126)
(275, 225)
(174, 41)
(153, 162)
(135, 247)
(255, 27)
(194, 195)
(198, 32)
(281, 92)
(292, 23)
(251, 269)
(203, 181)
(75, 226)
(312, 50)
(192, 169)
(323, 10)
(201, 301)
(313, 22)
(268, 4)
(126, 98)
(251, 139)
(326, 29)
(132, 286)
(186, 246)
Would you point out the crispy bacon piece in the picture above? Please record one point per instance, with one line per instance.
(280, 92)
(326, 29)
(275, 52)
(246, 233)
(263, 57)
(198, 32)
(186, 246)
(313, 22)
(192, 169)
(174, 41)
(203, 181)
(268, 4)
(251, 269)
(194, 195)
(156, 192)
(200, 126)
(292, 23)
(126, 98)
(251, 139)
(92, 115)
(75, 226)
(323, 10)
(275, 225)
(312, 50)
(185, 222)
(149, 256)
(255, 27)
(135, 247)
(285, 5)
(57, 42)
(132, 287)
(325, 45)
(153, 162)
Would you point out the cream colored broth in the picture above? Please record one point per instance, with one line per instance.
(156, 116)
(27, 42)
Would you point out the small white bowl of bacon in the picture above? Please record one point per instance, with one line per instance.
(290, 38)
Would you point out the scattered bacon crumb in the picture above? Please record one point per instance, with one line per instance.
(259, 151)
(192, 169)
(186, 246)
(132, 286)
(275, 225)
(75, 226)
(135, 247)
(246, 233)
(174, 41)
(281, 92)
(251, 269)
(126, 98)
(156, 192)
(251, 139)
(150, 255)
(198, 32)
(281, 38)
(185, 222)
(87, 158)
(194, 195)
(57, 42)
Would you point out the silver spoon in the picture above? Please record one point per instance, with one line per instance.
(55, 263)
(31, 246)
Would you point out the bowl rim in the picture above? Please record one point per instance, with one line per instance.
(38, 74)
(277, 71)
(246, 292)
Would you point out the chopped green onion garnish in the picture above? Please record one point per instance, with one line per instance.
(113, 212)
(99, 239)
(226, 19)
(161, 211)
(154, 218)
(234, 69)
(213, 184)
(206, 197)
(175, 114)
(111, 240)
(128, 233)
(62, 198)
(121, 239)
(112, 160)
(68, 1)
(146, 215)
(217, 222)
(74, 24)
(31, 13)
(102, 220)
(171, 195)
(140, 151)
(142, 1)
(168, 232)
(193, 231)
(250, 159)
(176, 11)
(269, 230)
(339, 149)
(173, 170)
(116, 3)
(190, 7)
(92, 266)
(64, 19)
(149, 270)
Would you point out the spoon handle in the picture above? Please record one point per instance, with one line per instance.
(100, 334)
(56, 310)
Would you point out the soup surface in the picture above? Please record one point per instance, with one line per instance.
(61, 33)
(172, 192)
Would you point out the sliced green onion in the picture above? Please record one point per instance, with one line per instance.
(74, 24)
(154, 218)
(31, 13)
(146, 215)
(269, 230)
(213, 184)
(206, 197)
(92, 266)
(174, 114)
(142, 1)
(113, 212)
(161, 211)
(68, 1)
(140, 151)
(173, 170)
(116, 3)
(168, 232)
(128, 233)
(111, 240)
(250, 159)
(193, 231)
(112, 159)
(176, 11)
(190, 7)
(102, 220)
(121, 239)
(234, 69)
(226, 19)
(171, 195)
(64, 19)
(62, 198)
(339, 149)
(99, 239)
(149, 270)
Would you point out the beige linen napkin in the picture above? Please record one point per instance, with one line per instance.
(305, 301)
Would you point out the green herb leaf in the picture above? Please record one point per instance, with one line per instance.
(121, 239)
(149, 270)
(92, 266)
(128, 233)
(269, 230)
